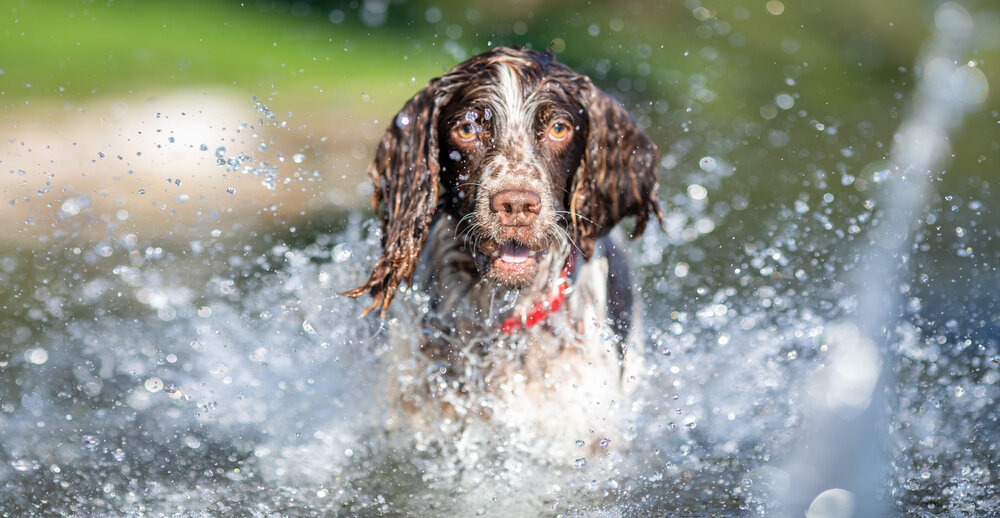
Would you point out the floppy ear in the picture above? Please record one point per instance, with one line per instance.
(405, 175)
(617, 175)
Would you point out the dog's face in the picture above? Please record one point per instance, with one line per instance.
(509, 145)
(523, 151)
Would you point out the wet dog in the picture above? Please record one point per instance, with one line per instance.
(498, 185)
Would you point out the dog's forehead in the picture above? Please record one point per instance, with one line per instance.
(514, 100)
(512, 93)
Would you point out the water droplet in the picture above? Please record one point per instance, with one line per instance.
(220, 151)
(708, 164)
(455, 155)
(579, 443)
(90, 442)
(36, 356)
(604, 442)
(784, 101)
(341, 252)
(23, 465)
(298, 158)
(697, 192)
(832, 502)
(308, 328)
(402, 121)
(153, 384)
(579, 463)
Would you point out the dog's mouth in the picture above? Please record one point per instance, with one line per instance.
(512, 263)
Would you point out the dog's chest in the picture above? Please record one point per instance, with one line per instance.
(561, 379)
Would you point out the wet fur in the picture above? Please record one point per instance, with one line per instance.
(434, 191)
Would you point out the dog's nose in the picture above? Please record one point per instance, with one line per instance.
(516, 207)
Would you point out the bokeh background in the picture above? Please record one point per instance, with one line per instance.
(161, 161)
(127, 106)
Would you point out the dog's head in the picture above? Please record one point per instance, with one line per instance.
(522, 151)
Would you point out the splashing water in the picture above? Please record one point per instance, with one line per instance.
(844, 448)
(150, 383)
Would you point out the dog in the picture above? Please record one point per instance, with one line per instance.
(498, 186)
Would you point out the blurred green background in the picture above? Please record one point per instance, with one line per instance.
(164, 122)
(684, 67)
(160, 123)
(169, 121)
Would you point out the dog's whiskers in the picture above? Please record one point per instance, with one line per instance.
(494, 332)
(564, 213)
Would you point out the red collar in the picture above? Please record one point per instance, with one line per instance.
(540, 311)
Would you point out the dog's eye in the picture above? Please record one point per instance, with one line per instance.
(466, 131)
(558, 131)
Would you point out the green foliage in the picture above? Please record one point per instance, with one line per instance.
(73, 50)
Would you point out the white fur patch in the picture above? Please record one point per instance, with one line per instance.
(516, 111)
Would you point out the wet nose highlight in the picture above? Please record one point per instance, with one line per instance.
(516, 207)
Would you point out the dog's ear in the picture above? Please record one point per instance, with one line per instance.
(405, 175)
(617, 175)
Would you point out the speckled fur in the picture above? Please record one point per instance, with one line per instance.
(433, 191)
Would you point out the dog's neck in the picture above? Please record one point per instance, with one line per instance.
(541, 310)
(463, 299)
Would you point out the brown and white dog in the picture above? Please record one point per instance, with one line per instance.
(497, 185)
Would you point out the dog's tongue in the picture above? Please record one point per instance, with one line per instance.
(512, 253)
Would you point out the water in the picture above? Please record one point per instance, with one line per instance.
(223, 375)
(845, 447)
(252, 388)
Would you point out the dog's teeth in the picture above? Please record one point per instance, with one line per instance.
(515, 259)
